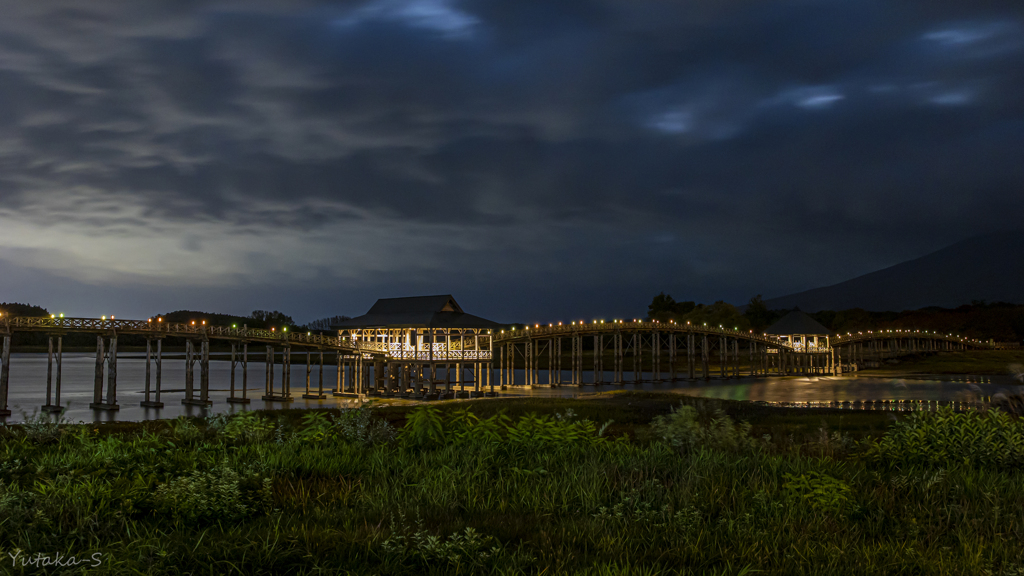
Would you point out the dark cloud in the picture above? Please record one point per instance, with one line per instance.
(542, 160)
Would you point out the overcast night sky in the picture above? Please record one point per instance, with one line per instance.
(539, 160)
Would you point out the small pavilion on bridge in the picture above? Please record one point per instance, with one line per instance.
(420, 340)
(804, 333)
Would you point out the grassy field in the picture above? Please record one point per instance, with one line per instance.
(622, 483)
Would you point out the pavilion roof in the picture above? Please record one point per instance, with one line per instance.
(440, 311)
(797, 322)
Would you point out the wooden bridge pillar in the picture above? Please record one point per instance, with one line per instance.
(736, 357)
(49, 374)
(204, 374)
(338, 386)
(5, 375)
(309, 372)
(98, 402)
(50, 406)
(97, 387)
(112, 374)
(723, 347)
(558, 360)
(552, 363)
(750, 348)
(638, 342)
(233, 399)
(320, 379)
(656, 356)
(704, 357)
(672, 356)
(619, 358)
(690, 356)
(147, 402)
(286, 373)
(577, 372)
(268, 391)
(501, 366)
(189, 375)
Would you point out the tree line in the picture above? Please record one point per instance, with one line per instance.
(257, 319)
(1000, 321)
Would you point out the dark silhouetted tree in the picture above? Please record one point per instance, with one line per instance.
(324, 324)
(274, 318)
(664, 308)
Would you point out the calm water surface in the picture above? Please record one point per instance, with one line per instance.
(28, 388)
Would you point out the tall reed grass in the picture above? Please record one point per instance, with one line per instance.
(453, 492)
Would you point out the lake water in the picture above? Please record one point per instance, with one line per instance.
(28, 388)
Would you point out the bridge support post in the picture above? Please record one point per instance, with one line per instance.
(672, 357)
(97, 388)
(159, 371)
(656, 356)
(49, 407)
(558, 361)
(286, 378)
(620, 358)
(112, 375)
(55, 405)
(638, 343)
(338, 386)
(723, 358)
(309, 371)
(147, 402)
(204, 374)
(751, 347)
(111, 360)
(690, 356)
(245, 371)
(502, 351)
(233, 399)
(5, 375)
(528, 362)
(354, 374)
(704, 358)
(268, 391)
(189, 376)
(577, 360)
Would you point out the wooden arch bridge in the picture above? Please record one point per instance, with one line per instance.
(370, 362)
(673, 351)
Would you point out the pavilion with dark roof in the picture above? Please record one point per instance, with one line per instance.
(802, 331)
(417, 343)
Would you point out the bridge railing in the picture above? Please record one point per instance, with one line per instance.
(864, 335)
(608, 327)
(151, 328)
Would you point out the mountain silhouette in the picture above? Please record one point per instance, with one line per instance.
(988, 268)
